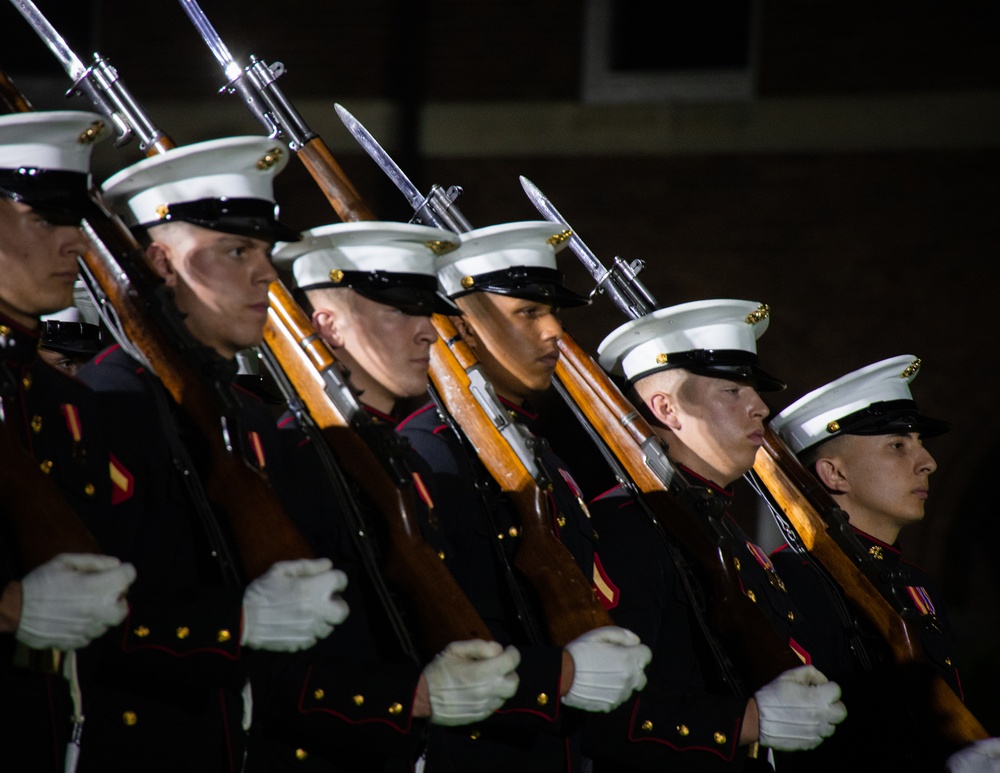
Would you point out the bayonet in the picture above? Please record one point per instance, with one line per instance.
(99, 82)
(437, 208)
(620, 283)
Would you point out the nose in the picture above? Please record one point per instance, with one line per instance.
(74, 242)
(758, 408)
(551, 328)
(264, 271)
(425, 332)
(925, 462)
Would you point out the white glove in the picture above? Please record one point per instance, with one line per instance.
(293, 605)
(469, 680)
(798, 709)
(608, 666)
(981, 757)
(72, 599)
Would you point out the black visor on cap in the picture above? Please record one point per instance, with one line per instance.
(414, 294)
(531, 283)
(61, 197)
(732, 364)
(72, 338)
(244, 217)
(889, 417)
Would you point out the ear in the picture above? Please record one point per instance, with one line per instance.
(158, 256)
(831, 474)
(328, 325)
(466, 331)
(663, 406)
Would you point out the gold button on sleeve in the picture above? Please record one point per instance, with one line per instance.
(751, 595)
(359, 700)
(542, 699)
(512, 531)
(301, 754)
(319, 694)
(142, 632)
(647, 726)
(36, 424)
(223, 636)
(396, 708)
(719, 737)
(683, 730)
(129, 718)
(183, 632)
(46, 466)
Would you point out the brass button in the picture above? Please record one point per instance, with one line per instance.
(46, 466)
(4, 330)
(319, 694)
(396, 708)
(683, 731)
(751, 595)
(183, 632)
(129, 718)
(26, 382)
(162, 210)
(336, 276)
(720, 738)
(647, 726)
(36, 424)
(142, 632)
(737, 564)
(89, 489)
(223, 636)
(947, 661)
(561, 520)
(441, 554)
(662, 358)
(359, 700)
(467, 282)
(301, 754)
(500, 535)
(512, 531)
(791, 616)
(474, 735)
(542, 699)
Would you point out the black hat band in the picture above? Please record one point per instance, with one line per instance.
(732, 364)
(242, 216)
(414, 294)
(888, 417)
(534, 283)
(59, 195)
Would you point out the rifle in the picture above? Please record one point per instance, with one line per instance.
(193, 375)
(816, 523)
(256, 84)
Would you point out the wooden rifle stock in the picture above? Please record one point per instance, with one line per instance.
(751, 639)
(803, 499)
(332, 181)
(570, 605)
(445, 614)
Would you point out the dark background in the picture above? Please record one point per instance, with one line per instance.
(854, 191)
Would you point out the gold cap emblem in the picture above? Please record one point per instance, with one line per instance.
(661, 358)
(911, 369)
(441, 247)
(336, 275)
(92, 133)
(556, 239)
(269, 159)
(467, 282)
(762, 312)
(162, 211)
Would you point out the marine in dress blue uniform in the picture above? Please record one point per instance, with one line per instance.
(694, 373)
(888, 706)
(170, 692)
(44, 180)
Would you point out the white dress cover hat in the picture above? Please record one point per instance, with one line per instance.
(716, 338)
(874, 400)
(388, 262)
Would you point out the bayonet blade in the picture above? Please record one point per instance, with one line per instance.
(212, 39)
(383, 159)
(70, 62)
